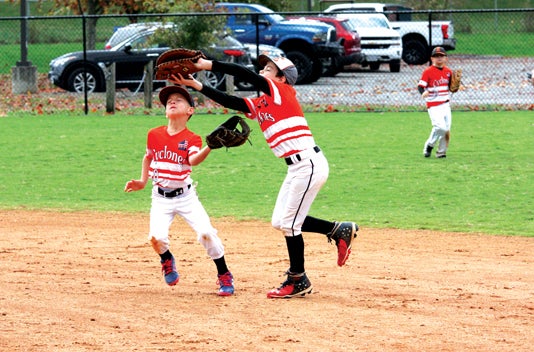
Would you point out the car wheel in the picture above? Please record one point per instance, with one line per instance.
(303, 64)
(76, 83)
(414, 52)
(394, 66)
(374, 66)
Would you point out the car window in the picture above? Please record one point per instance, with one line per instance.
(370, 9)
(248, 19)
(355, 9)
(243, 19)
(379, 21)
(369, 21)
(145, 42)
(263, 9)
(123, 33)
(140, 43)
(347, 25)
(398, 16)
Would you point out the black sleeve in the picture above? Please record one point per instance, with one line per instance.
(420, 89)
(244, 74)
(226, 100)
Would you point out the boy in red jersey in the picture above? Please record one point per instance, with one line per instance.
(286, 131)
(171, 152)
(434, 88)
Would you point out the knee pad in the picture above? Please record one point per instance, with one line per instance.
(212, 243)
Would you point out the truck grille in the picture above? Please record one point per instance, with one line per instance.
(376, 46)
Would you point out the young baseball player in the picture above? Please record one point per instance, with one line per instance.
(434, 88)
(171, 152)
(286, 131)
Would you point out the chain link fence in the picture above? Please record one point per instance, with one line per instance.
(494, 49)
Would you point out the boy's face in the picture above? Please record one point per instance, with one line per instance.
(177, 104)
(439, 60)
(270, 71)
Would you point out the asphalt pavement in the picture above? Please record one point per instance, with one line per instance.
(486, 80)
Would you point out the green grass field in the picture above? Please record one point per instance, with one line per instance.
(378, 176)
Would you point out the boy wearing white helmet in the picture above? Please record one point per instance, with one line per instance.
(287, 133)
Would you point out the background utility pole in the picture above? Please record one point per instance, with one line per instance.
(24, 74)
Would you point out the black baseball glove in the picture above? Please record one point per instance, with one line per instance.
(228, 135)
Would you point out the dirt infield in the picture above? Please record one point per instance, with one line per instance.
(90, 282)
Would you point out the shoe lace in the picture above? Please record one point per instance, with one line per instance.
(167, 266)
(330, 235)
(290, 280)
(225, 280)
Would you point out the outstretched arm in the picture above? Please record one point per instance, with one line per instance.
(233, 69)
(258, 81)
(226, 100)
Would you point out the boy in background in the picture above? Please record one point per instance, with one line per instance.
(434, 88)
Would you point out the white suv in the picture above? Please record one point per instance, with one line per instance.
(379, 41)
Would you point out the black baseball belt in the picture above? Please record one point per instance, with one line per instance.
(174, 193)
(295, 158)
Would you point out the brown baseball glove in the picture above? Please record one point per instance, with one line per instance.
(456, 79)
(227, 135)
(179, 60)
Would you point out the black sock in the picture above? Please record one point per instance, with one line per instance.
(165, 256)
(221, 265)
(295, 249)
(312, 224)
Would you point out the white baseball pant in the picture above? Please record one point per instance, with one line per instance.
(188, 206)
(301, 185)
(441, 119)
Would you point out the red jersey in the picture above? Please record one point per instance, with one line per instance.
(281, 120)
(436, 81)
(169, 156)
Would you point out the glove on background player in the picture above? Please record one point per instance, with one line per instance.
(456, 79)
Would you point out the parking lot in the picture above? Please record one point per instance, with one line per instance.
(486, 80)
